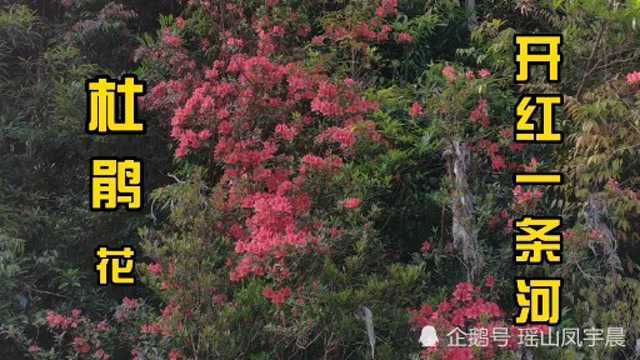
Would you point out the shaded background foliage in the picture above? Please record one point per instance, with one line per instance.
(393, 250)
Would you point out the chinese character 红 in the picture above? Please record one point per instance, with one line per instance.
(121, 270)
(116, 182)
(528, 131)
(112, 106)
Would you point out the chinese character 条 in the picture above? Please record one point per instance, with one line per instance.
(534, 240)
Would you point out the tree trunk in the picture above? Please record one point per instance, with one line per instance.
(470, 7)
(595, 215)
(464, 229)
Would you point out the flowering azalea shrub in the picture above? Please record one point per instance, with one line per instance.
(272, 126)
(276, 209)
(129, 333)
(317, 168)
(465, 310)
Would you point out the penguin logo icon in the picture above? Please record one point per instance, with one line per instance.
(428, 337)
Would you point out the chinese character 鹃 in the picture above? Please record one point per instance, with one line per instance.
(115, 182)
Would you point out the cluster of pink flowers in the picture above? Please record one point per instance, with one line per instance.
(633, 78)
(525, 199)
(449, 72)
(614, 186)
(373, 30)
(426, 247)
(78, 327)
(166, 325)
(273, 125)
(58, 321)
(277, 297)
(330, 164)
(416, 110)
(483, 73)
(480, 114)
(464, 309)
(80, 345)
(155, 269)
(125, 310)
(492, 149)
(351, 203)
(287, 132)
(170, 39)
(387, 8)
(404, 38)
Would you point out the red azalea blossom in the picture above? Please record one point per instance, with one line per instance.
(416, 110)
(224, 105)
(404, 38)
(465, 309)
(103, 326)
(287, 132)
(490, 281)
(150, 329)
(480, 114)
(172, 40)
(155, 268)
(102, 355)
(532, 166)
(449, 72)
(633, 78)
(80, 345)
(180, 22)
(318, 40)
(277, 297)
(351, 203)
(175, 355)
(130, 304)
(484, 73)
(387, 7)
(426, 246)
(568, 235)
(55, 320)
(526, 199)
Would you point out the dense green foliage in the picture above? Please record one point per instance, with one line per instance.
(306, 170)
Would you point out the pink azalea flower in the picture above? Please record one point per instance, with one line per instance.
(416, 110)
(80, 345)
(484, 73)
(633, 78)
(426, 246)
(352, 203)
(490, 281)
(449, 72)
(404, 38)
